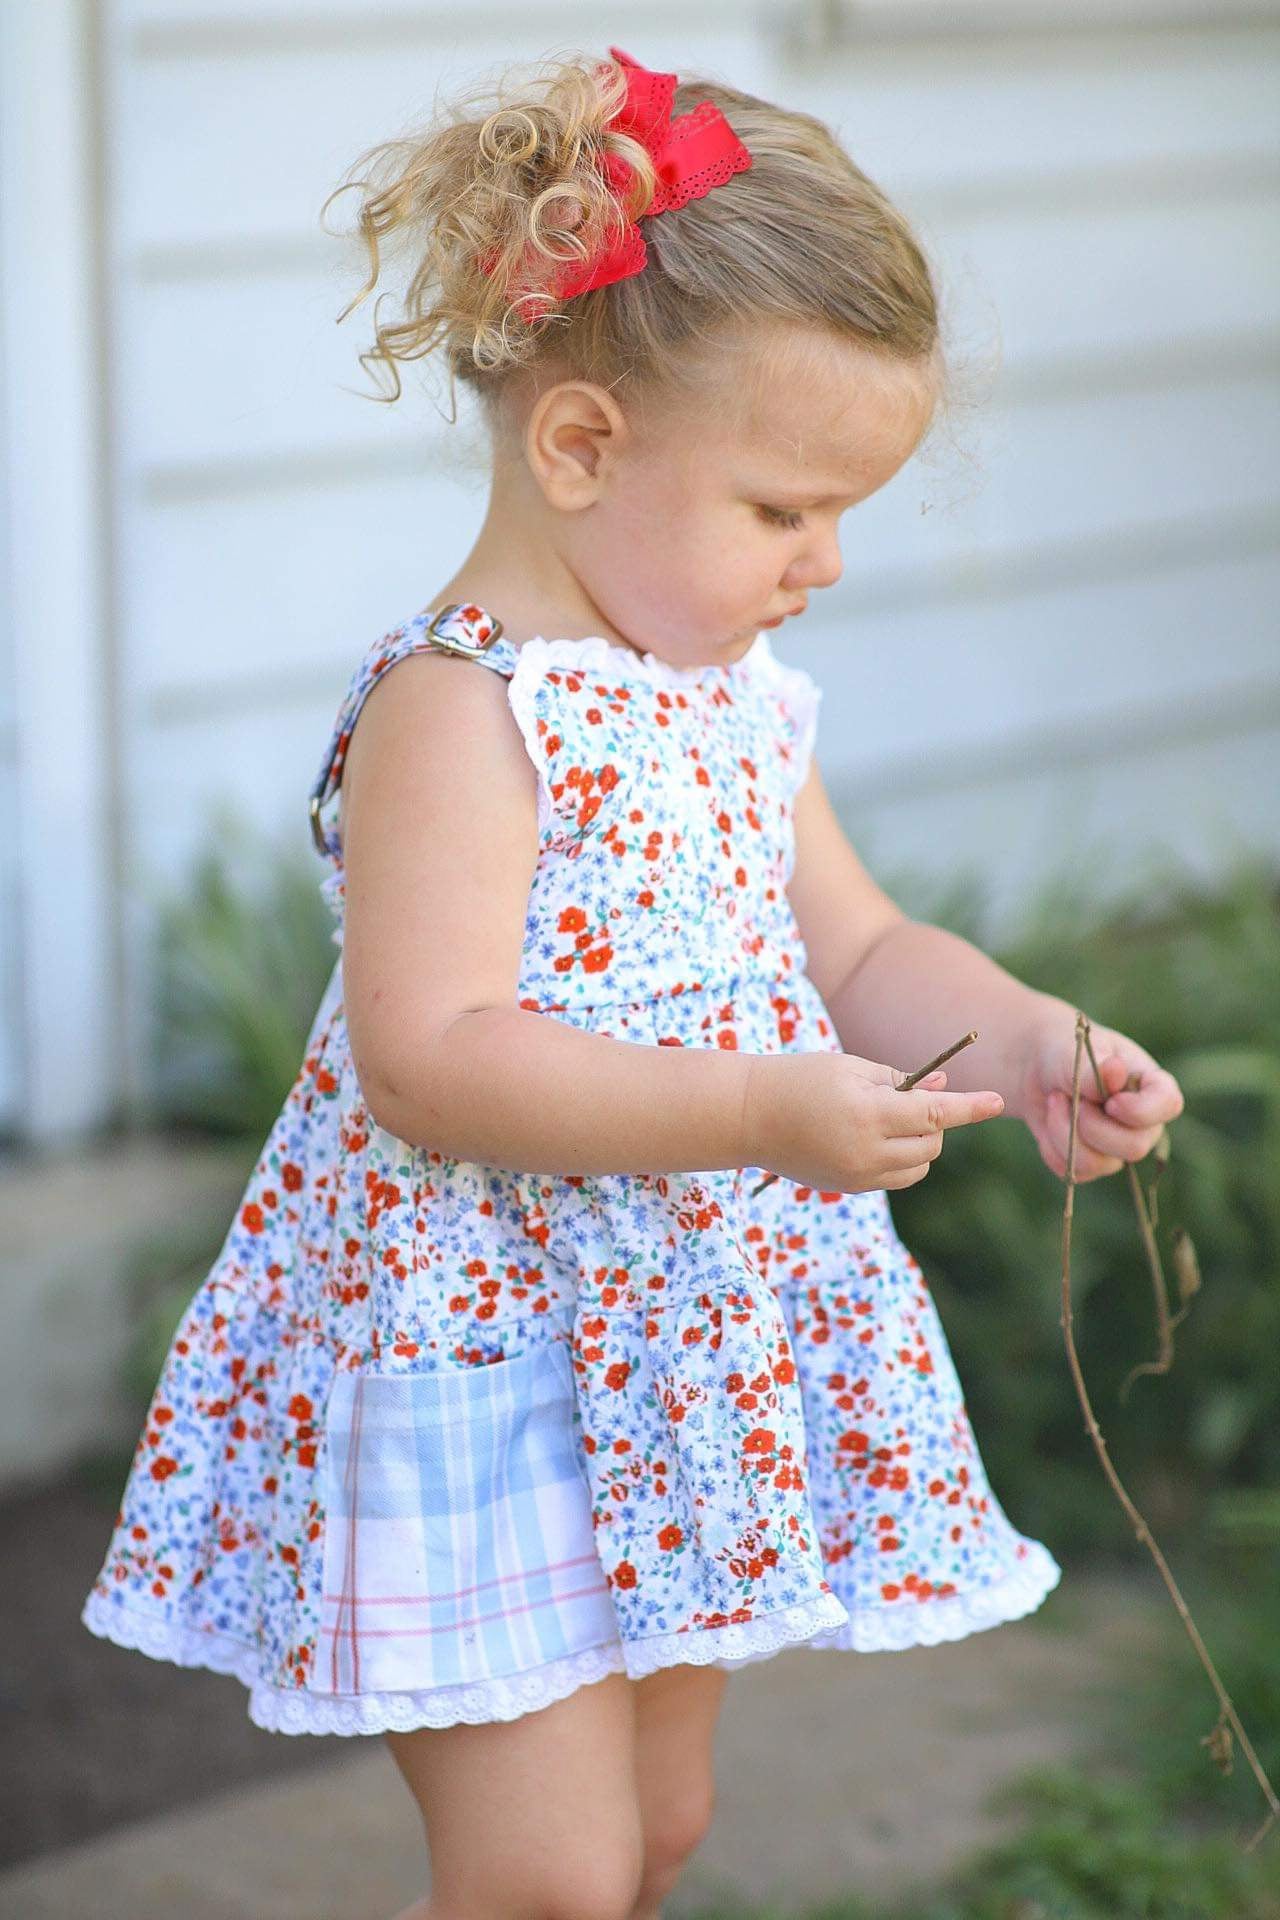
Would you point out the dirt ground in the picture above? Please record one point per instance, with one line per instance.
(96, 1736)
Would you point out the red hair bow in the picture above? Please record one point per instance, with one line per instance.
(691, 154)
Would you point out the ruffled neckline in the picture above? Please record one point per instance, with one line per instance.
(595, 651)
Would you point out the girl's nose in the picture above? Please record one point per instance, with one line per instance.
(820, 565)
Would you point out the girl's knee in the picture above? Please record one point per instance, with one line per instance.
(598, 1883)
(670, 1843)
(609, 1891)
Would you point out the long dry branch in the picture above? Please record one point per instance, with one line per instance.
(1218, 1740)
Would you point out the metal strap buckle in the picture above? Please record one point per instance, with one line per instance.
(317, 831)
(459, 643)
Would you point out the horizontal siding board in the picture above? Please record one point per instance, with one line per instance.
(1102, 826)
(224, 150)
(259, 768)
(277, 375)
(163, 30)
(936, 684)
(1115, 276)
(921, 118)
(273, 588)
(828, 26)
(1070, 471)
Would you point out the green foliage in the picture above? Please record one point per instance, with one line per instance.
(1092, 1847)
(1193, 974)
(243, 956)
(1168, 1706)
(1099, 1848)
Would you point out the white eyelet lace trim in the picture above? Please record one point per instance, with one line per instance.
(739, 1642)
(537, 657)
(821, 1622)
(597, 652)
(898, 1625)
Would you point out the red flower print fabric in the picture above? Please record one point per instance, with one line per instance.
(438, 1441)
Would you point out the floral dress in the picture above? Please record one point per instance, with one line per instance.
(439, 1441)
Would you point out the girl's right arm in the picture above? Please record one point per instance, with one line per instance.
(439, 834)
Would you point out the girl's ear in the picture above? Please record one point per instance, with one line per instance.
(573, 435)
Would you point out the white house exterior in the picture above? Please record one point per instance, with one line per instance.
(1060, 634)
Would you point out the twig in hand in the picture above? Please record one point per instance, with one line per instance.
(922, 1073)
(1188, 1277)
(1219, 1739)
(902, 1086)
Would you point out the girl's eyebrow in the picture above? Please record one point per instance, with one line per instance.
(790, 496)
(794, 492)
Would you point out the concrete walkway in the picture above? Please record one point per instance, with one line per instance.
(882, 1762)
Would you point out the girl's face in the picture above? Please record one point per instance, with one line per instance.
(723, 516)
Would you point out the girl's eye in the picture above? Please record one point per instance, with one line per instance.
(783, 516)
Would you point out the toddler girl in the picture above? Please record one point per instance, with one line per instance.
(516, 1413)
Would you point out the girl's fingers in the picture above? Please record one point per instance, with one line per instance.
(935, 1079)
(1089, 1165)
(1156, 1100)
(924, 1110)
(1109, 1143)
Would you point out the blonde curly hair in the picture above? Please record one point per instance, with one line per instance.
(503, 187)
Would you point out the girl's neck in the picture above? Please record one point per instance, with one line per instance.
(515, 571)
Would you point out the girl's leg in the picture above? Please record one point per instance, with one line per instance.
(536, 1818)
(676, 1712)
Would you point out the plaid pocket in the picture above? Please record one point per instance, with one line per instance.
(458, 1533)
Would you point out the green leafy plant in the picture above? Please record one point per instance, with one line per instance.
(1092, 1847)
(1194, 973)
(243, 955)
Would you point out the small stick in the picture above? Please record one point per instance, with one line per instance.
(922, 1073)
(902, 1086)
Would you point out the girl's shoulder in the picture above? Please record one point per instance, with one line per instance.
(464, 630)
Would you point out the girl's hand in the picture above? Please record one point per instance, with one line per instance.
(837, 1122)
(1125, 1128)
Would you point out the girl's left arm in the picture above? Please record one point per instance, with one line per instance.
(900, 990)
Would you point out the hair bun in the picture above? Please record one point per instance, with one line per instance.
(496, 195)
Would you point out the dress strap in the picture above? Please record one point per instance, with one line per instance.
(462, 629)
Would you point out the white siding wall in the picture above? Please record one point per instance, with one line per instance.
(1060, 635)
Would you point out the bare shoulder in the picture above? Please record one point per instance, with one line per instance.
(431, 715)
(439, 831)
